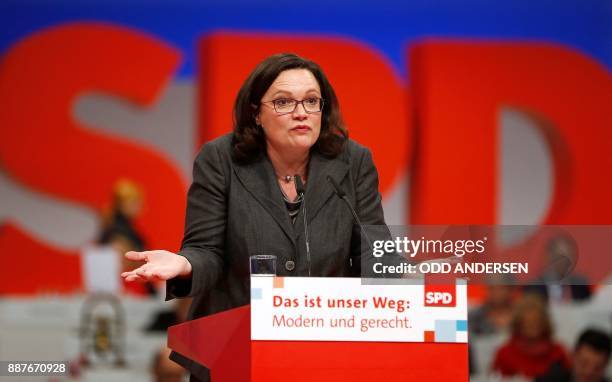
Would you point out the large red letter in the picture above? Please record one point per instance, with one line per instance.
(459, 89)
(44, 148)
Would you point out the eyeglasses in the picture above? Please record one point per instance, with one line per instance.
(288, 105)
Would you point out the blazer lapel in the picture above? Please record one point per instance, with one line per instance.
(318, 189)
(260, 181)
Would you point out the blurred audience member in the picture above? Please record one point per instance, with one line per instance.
(471, 360)
(119, 232)
(531, 350)
(590, 359)
(559, 282)
(118, 221)
(165, 370)
(495, 314)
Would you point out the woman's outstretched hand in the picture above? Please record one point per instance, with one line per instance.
(158, 265)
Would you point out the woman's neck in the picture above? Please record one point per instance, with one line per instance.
(288, 163)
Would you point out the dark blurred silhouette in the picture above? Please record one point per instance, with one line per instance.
(590, 359)
(559, 282)
(118, 221)
(119, 232)
(495, 314)
(531, 350)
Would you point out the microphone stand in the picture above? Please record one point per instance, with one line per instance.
(299, 187)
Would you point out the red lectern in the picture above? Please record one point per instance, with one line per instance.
(222, 342)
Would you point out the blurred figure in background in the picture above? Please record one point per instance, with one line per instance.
(589, 360)
(165, 370)
(119, 232)
(531, 351)
(559, 283)
(495, 314)
(118, 220)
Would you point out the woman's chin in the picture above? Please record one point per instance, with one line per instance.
(302, 142)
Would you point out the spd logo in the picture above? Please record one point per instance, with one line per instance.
(440, 295)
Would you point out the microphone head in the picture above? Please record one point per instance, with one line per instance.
(336, 187)
(299, 185)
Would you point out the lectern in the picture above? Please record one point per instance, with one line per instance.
(288, 333)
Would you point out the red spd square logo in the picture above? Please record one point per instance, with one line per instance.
(440, 295)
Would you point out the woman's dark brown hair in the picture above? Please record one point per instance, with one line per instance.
(249, 142)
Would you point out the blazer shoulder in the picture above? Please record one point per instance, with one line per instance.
(218, 148)
(355, 152)
(222, 144)
(215, 157)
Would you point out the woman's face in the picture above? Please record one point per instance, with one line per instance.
(298, 130)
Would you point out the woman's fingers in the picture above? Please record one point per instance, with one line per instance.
(131, 276)
(143, 272)
(148, 272)
(160, 265)
(140, 273)
(136, 256)
(153, 273)
(130, 273)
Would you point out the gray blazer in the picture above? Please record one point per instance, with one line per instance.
(237, 210)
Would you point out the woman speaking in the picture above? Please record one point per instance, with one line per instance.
(244, 198)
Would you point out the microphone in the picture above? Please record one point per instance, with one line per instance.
(299, 187)
(342, 195)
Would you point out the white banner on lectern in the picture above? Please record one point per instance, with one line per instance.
(344, 309)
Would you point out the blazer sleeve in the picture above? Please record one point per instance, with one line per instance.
(205, 223)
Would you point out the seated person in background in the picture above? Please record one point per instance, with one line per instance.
(590, 359)
(531, 350)
(559, 282)
(495, 314)
(164, 369)
(118, 220)
(120, 232)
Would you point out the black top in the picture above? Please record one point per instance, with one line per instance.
(293, 207)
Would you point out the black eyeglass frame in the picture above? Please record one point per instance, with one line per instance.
(273, 102)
